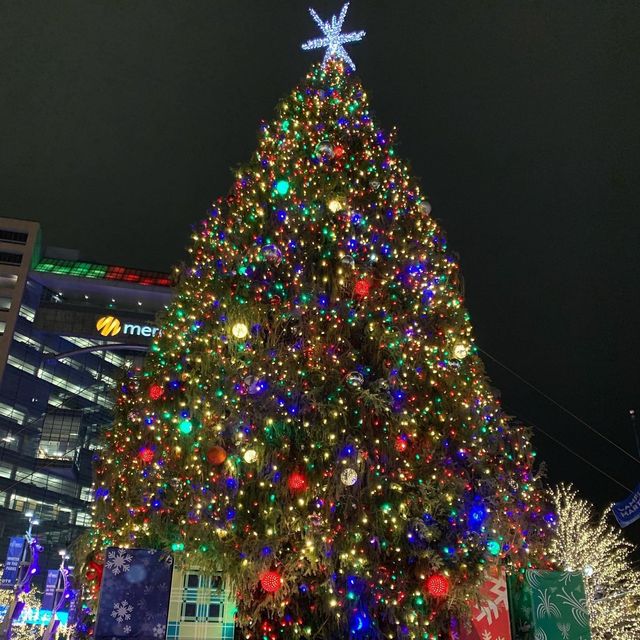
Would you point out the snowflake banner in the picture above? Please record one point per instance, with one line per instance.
(548, 605)
(490, 616)
(134, 596)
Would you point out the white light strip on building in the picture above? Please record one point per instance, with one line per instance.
(47, 376)
(12, 413)
(27, 313)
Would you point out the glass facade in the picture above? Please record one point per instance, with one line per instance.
(57, 389)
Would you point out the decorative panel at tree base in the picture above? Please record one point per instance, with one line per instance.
(548, 605)
(489, 617)
(134, 596)
(199, 607)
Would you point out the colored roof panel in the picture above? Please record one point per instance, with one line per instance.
(107, 272)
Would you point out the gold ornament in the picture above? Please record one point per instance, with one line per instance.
(240, 330)
(460, 351)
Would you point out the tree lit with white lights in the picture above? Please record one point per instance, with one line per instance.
(585, 542)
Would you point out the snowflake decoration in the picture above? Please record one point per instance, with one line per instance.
(334, 39)
(491, 609)
(159, 631)
(126, 629)
(122, 611)
(119, 561)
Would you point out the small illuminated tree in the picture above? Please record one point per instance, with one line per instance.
(21, 630)
(584, 542)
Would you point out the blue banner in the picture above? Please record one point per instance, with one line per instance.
(73, 604)
(628, 511)
(50, 589)
(12, 563)
(134, 597)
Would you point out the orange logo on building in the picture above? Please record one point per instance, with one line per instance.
(108, 326)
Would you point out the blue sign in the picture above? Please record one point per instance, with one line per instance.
(50, 589)
(628, 511)
(12, 563)
(134, 597)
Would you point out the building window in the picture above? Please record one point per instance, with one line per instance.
(21, 365)
(19, 337)
(28, 313)
(7, 411)
(83, 519)
(8, 442)
(8, 280)
(59, 437)
(16, 237)
(6, 257)
(5, 471)
(5, 303)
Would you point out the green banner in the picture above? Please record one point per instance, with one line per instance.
(548, 605)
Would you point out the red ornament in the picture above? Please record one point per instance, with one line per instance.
(362, 288)
(401, 444)
(338, 152)
(271, 581)
(297, 482)
(156, 392)
(146, 454)
(94, 574)
(437, 585)
(216, 455)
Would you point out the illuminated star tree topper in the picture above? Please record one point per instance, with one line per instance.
(333, 37)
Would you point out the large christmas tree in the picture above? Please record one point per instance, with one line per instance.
(314, 420)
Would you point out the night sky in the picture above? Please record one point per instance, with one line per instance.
(120, 122)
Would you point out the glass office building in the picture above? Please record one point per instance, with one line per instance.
(67, 330)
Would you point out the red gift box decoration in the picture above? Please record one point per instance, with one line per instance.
(490, 617)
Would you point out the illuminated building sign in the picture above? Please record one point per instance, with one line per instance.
(108, 326)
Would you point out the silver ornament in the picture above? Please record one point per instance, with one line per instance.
(425, 207)
(355, 379)
(253, 384)
(324, 150)
(349, 477)
(271, 253)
